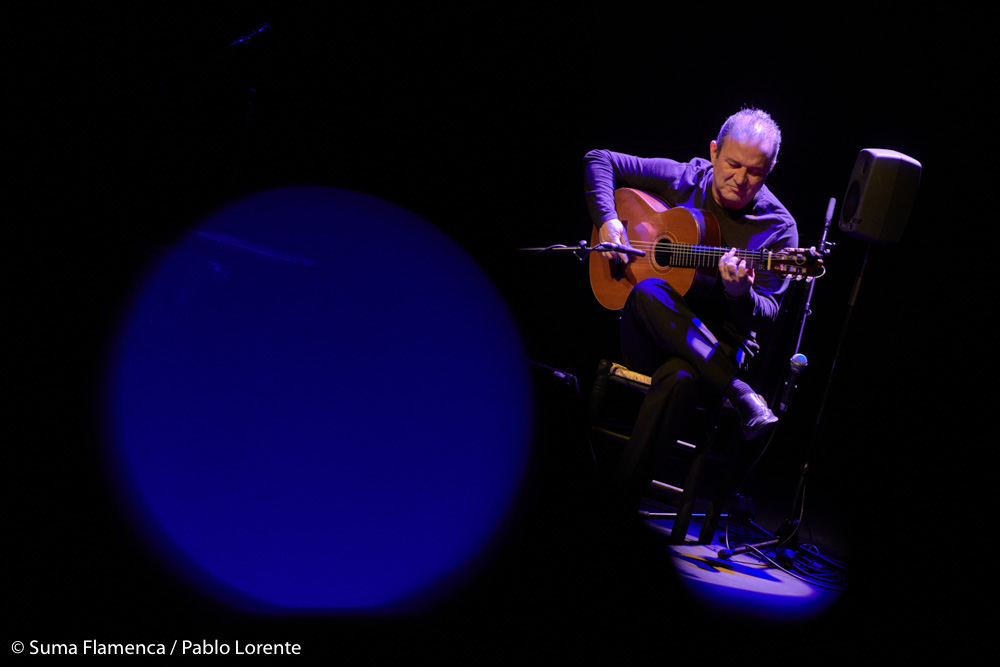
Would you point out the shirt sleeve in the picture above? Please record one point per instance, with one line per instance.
(757, 310)
(677, 183)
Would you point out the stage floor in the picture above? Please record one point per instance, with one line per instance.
(764, 584)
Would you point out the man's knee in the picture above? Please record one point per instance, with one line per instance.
(677, 372)
(654, 298)
(654, 289)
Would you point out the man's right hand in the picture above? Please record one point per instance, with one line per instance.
(613, 231)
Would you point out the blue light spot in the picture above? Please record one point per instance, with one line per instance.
(318, 401)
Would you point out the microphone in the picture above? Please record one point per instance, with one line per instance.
(796, 363)
(246, 38)
(615, 247)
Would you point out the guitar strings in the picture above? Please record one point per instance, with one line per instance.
(701, 254)
(704, 248)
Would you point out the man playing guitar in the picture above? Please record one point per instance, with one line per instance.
(693, 335)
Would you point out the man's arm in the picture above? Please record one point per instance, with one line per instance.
(754, 300)
(605, 171)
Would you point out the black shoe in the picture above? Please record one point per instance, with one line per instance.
(755, 416)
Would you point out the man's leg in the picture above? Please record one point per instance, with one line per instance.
(657, 324)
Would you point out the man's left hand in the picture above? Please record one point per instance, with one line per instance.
(737, 279)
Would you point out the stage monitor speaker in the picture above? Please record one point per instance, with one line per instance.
(880, 196)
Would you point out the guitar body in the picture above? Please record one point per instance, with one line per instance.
(650, 223)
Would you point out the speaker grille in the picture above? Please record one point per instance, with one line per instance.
(880, 195)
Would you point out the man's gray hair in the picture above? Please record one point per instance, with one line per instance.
(753, 126)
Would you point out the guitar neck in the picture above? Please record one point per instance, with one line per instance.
(697, 256)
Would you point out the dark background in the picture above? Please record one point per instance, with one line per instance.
(126, 126)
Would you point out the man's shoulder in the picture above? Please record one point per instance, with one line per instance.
(774, 220)
(768, 204)
(694, 172)
(700, 163)
(695, 166)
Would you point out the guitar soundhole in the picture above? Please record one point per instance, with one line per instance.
(662, 253)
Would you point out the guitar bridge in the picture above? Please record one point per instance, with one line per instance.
(618, 269)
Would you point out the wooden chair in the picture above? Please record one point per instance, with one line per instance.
(680, 483)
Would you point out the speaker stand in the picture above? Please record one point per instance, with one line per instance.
(785, 538)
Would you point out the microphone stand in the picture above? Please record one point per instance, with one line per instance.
(787, 533)
(582, 250)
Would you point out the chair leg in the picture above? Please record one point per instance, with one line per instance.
(711, 522)
(689, 496)
(678, 533)
(598, 394)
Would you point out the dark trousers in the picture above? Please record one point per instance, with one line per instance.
(662, 337)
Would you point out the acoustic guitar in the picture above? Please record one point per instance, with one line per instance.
(682, 247)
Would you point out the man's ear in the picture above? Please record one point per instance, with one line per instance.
(712, 149)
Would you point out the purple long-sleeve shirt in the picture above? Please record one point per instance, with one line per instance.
(765, 223)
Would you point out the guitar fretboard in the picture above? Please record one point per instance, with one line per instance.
(682, 255)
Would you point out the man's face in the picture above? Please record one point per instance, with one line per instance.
(739, 170)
